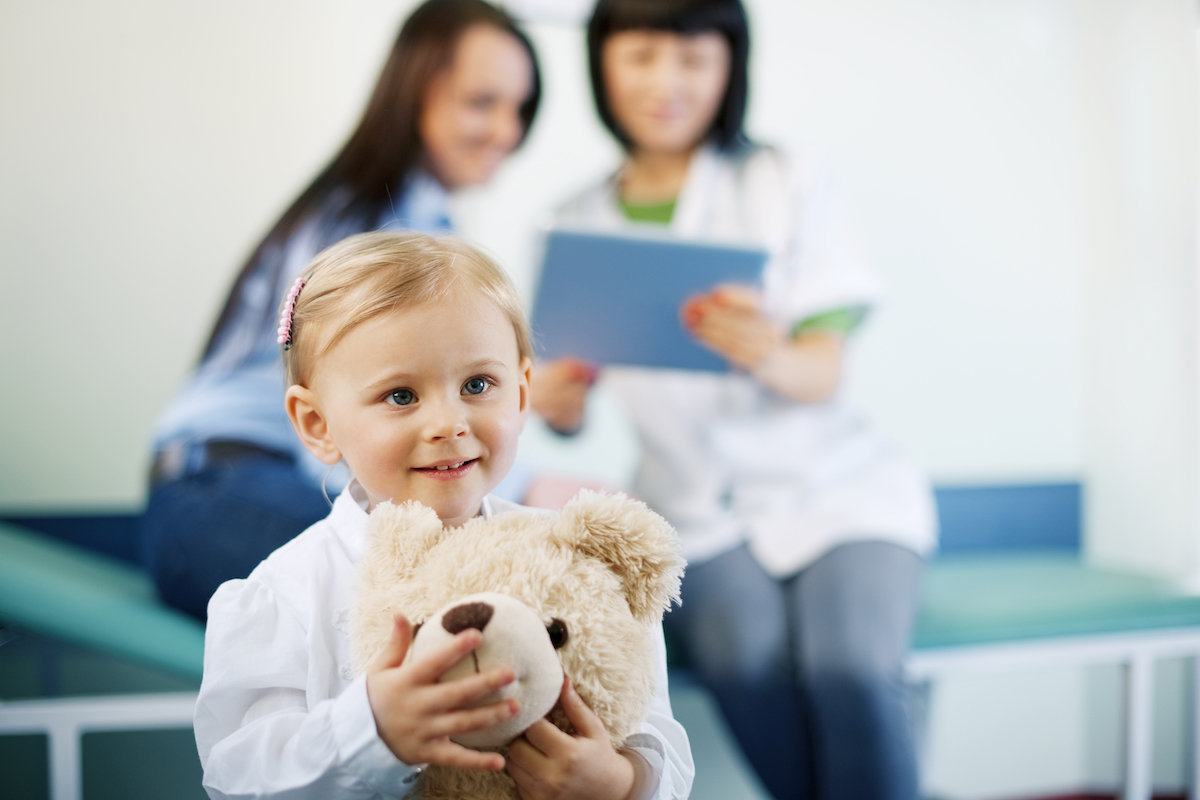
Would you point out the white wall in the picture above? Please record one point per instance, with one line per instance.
(1022, 171)
(146, 145)
(1137, 94)
(952, 129)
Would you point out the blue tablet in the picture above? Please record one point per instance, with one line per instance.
(615, 299)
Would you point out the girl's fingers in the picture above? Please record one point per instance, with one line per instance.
(463, 691)
(581, 716)
(396, 647)
(524, 754)
(518, 772)
(474, 719)
(430, 666)
(546, 738)
(449, 754)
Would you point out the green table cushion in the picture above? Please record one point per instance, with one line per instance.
(89, 599)
(82, 597)
(1008, 597)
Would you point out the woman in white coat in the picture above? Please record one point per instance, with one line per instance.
(804, 530)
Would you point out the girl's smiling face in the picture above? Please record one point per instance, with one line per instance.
(424, 403)
(664, 88)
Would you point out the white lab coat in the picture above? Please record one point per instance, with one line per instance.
(281, 713)
(725, 459)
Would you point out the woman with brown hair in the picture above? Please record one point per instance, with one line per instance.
(230, 482)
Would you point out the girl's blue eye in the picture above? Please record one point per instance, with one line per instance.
(475, 386)
(401, 397)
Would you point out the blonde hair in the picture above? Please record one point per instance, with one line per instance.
(370, 274)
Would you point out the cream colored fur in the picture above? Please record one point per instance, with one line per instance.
(607, 566)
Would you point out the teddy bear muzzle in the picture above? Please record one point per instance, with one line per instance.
(513, 634)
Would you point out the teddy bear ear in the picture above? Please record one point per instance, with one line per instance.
(398, 538)
(637, 544)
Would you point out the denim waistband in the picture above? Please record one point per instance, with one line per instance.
(177, 460)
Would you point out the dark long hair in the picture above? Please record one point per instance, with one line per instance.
(386, 145)
(726, 17)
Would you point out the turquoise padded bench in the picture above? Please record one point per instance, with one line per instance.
(79, 596)
(1009, 590)
(1016, 610)
(83, 598)
(1020, 597)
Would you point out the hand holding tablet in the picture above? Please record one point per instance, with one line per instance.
(618, 299)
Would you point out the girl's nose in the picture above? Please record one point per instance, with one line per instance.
(446, 421)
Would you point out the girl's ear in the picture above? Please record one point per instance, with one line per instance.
(310, 425)
(526, 370)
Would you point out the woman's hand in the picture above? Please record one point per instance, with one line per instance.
(729, 321)
(558, 392)
(416, 716)
(550, 764)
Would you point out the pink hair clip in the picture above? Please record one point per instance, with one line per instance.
(285, 316)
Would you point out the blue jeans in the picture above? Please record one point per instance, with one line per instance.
(201, 530)
(808, 670)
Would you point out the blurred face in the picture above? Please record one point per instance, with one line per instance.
(664, 88)
(470, 119)
(425, 403)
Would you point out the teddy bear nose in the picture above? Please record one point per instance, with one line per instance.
(468, 615)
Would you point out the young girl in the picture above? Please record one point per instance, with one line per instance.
(803, 528)
(408, 357)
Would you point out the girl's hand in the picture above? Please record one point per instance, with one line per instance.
(559, 392)
(416, 716)
(729, 322)
(550, 764)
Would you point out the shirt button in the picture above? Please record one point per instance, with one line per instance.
(341, 620)
(347, 672)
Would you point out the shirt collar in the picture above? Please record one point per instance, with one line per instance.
(689, 203)
(349, 518)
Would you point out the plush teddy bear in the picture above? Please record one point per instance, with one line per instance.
(580, 592)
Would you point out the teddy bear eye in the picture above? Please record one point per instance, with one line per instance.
(558, 632)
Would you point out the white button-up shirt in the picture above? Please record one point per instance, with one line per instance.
(281, 714)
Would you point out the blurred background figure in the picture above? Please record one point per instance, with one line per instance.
(804, 530)
(230, 481)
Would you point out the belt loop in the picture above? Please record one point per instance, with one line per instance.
(169, 462)
(180, 458)
(196, 457)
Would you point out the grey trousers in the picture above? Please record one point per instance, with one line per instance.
(808, 670)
